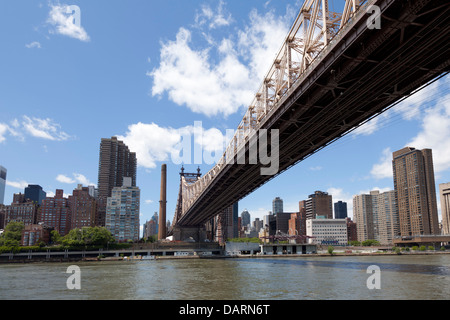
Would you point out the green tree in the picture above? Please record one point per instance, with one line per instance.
(370, 242)
(55, 237)
(330, 250)
(88, 236)
(12, 234)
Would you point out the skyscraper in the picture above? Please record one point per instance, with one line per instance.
(444, 194)
(35, 193)
(415, 191)
(340, 210)
(2, 184)
(115, 162)
(122, 212)
(245, 216)
(363, 216)
(277, 205)
(319, 204)
(376, 216)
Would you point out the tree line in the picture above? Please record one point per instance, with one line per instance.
(84, 238)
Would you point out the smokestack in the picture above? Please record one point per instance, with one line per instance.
(162, 231)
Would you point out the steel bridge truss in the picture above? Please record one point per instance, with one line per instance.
(319, 88)
(313, 29)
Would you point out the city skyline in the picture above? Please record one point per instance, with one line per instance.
(110, 80)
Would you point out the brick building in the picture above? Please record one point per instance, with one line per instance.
(55, 212)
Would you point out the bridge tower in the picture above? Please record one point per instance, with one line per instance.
(198, 233)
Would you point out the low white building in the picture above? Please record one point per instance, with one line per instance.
(327, 231)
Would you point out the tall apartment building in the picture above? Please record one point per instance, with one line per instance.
(122, 212)
(55, 212)
(319, 204)
(83, 208)
(388, 220)
(376, 216)
(363, 216)
(444, 194)
(2, 184)
(340, 210)
(277, 205)
(415, 189)
(116, 161)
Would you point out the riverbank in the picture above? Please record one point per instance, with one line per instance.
(190, 256)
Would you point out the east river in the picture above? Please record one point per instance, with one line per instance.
(307, 278)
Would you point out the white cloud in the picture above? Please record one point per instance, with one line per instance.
(383, 169)
(78, 178)
(33, 44)
(3, 130)
(35, 127)
(17, 184)
(83, 180)
(190, 79)
(145, 140)
(371, 126)
(65, 22)
(260, 41)
(149, 201)
(64, 179)
(213, 19)
(43, 128)
(219, 80)
(435, 133)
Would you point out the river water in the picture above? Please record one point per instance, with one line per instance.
(344, 278)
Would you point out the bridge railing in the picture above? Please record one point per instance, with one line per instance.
(315, 32)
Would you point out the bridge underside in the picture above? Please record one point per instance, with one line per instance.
(366, 73)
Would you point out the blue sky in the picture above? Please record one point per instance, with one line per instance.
(147, 70)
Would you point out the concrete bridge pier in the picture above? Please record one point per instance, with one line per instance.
(185, 233)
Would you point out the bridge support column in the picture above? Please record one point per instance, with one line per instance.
(186, 233)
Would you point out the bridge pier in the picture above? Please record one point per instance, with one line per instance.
(185, 233)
